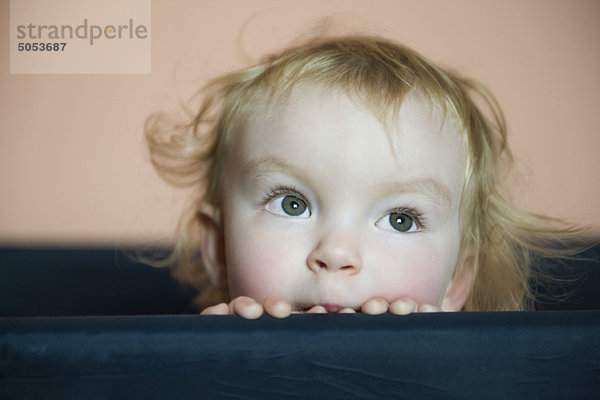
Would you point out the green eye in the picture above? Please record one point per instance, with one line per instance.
(287, 202)
(293, 206)
(402, 222)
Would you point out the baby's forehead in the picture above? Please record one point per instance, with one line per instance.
(303, 119)
(415, 107)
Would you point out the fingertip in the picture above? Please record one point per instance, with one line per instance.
(251, 311)
(403, 306)
(254, 311)
(375, 306)
(429, 308)
(317, 310)
(277, 308)
(246, 307)
(219, 309)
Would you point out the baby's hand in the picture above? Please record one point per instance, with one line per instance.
(400, 306)
(248, 308)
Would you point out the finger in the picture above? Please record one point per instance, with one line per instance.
(246, 307)
(219, 309)
(429, 308)
(317, 310)
(277, 307)
(375, 306)
(404, 306)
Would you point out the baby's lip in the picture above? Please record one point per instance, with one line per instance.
(333, 308)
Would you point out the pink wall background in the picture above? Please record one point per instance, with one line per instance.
(72, 164)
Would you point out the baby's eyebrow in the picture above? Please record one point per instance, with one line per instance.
(431, 187)
(267, 164)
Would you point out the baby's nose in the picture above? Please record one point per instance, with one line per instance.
(336, 253)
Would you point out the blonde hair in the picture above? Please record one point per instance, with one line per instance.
(500, 240)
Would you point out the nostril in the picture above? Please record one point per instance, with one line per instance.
(320, 265)
(333, 262)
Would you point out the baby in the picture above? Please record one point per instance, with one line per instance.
(348, 174)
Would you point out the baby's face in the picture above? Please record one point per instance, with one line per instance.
(319, 209)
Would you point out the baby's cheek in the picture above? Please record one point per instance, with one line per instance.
(257, 273)
(424, 279)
